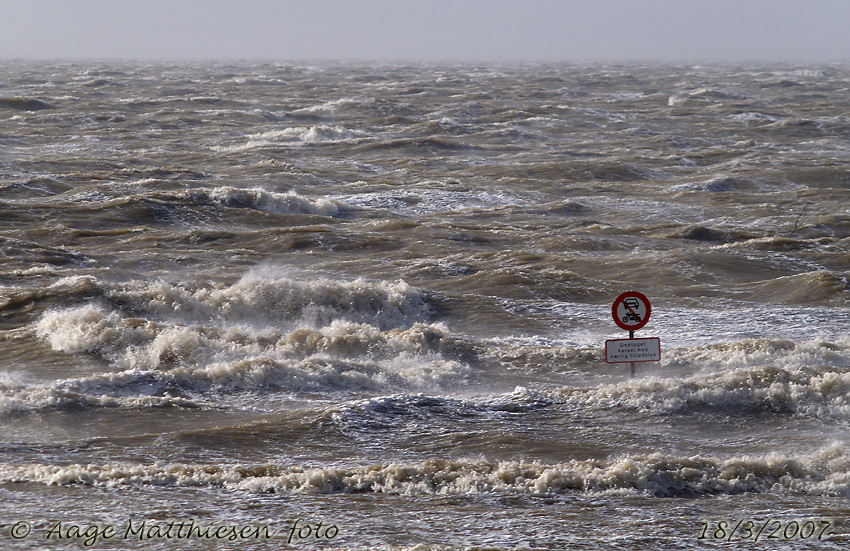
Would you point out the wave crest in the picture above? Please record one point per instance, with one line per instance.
(269, 201)
(826, 472)
(262, 332)
(812, 392)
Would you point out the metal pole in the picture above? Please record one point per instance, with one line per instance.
(631, 336)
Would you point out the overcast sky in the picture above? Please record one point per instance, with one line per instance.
(476, 30)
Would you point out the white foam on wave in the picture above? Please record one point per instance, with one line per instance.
(713, 322)
(791, 355)
(331, 106)
(717, 184)
(273, 299)
(298, 135)
(822, 393)
(81, 393)
(824, 472)
(431, 200)
(274, 202)
(262, 332)
(754, 117)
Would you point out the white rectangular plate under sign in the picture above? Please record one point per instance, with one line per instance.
(633, 350)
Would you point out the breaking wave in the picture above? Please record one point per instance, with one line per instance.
(825, 472)
(263, 332)
(317, 134)
(269, 201)
(815, 392)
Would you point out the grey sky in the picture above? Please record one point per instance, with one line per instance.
(549, 30)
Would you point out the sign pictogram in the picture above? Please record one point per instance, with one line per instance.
(631, 310)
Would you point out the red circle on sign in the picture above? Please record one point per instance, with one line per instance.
(631, 310)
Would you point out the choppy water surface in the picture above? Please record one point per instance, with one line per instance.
(377, 297)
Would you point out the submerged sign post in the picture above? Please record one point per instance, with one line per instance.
(631, 312)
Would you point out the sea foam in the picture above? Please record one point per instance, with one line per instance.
(824, 472)
(263, 331)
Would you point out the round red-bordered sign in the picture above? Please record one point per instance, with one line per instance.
(631, 310)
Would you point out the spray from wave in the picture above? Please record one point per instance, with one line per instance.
(825, 472)
(263, 332)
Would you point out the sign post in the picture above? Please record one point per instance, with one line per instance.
(631, 312)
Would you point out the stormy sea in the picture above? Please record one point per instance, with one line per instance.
(353, 306)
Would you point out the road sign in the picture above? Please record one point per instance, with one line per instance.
(631, 310)
(633, 350)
